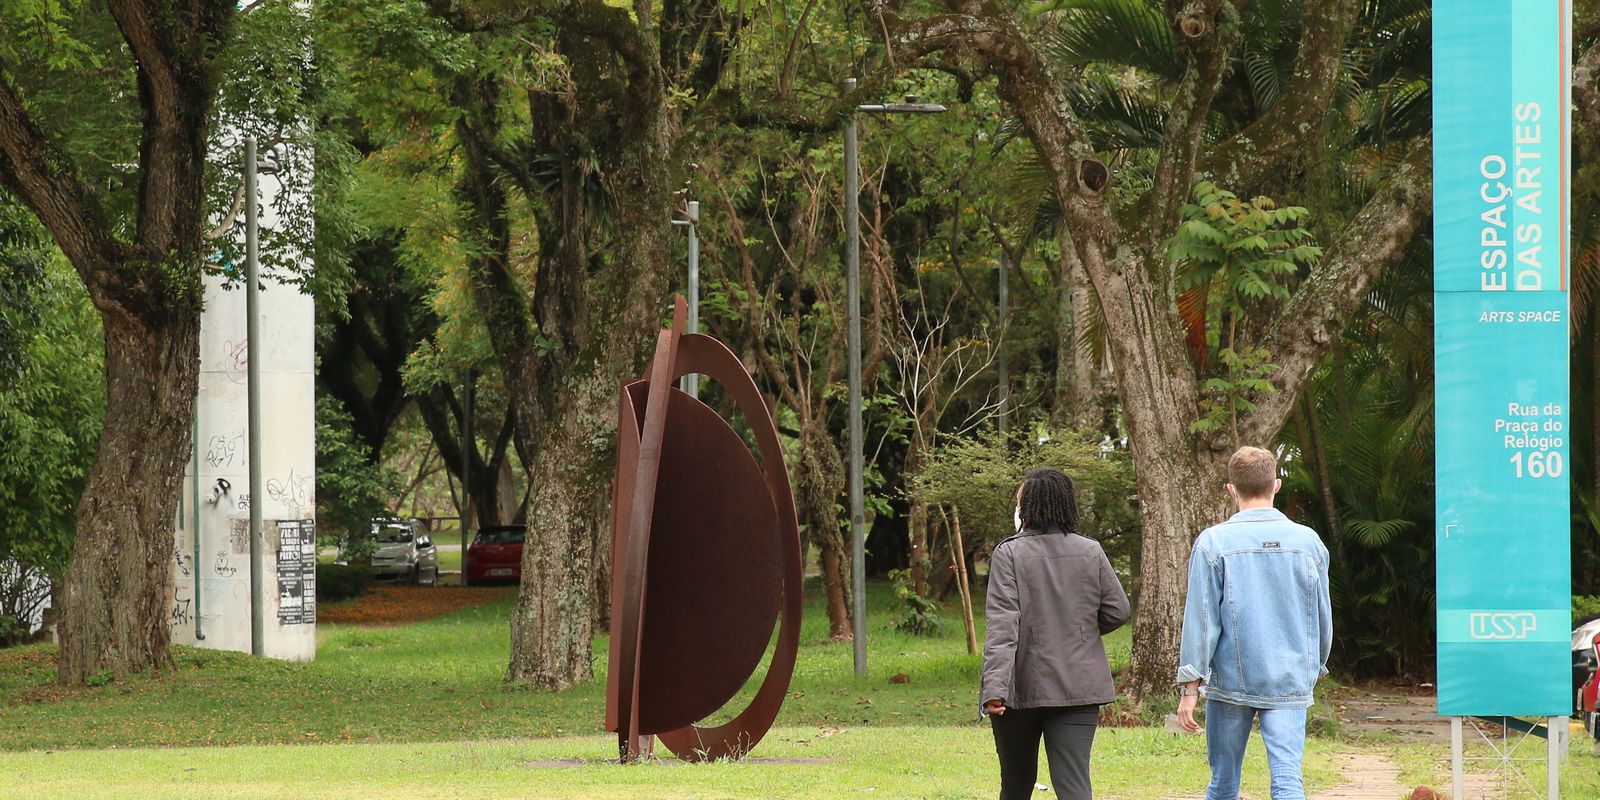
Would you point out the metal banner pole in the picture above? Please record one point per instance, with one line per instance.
(1458, 779)
(1557, 733)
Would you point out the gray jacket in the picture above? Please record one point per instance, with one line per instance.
(1052, 595)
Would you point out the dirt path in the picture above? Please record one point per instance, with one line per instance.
(1408, 716)
(1368, 773)
(1368, 776)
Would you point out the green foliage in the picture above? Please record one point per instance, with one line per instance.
(980, 475)
(1585, 607)
(1238, 253)
(1225, 396)
(22, 260)
(52, 402)
(341, 582)
(278, 86)
(918, 615)
(351, 490)
(1233, 258)
(1132, 32)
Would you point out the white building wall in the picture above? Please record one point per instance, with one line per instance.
(221, 567)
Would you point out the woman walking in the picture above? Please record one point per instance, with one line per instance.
(1052, 595)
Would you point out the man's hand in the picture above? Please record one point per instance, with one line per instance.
(995, 707)
(1186, 706)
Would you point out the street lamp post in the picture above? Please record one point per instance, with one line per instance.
(469, 446)
(1000, 354)
(852, 225)
(691, 382)
(252, 269)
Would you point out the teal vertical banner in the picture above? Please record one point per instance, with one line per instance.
(1501, 90)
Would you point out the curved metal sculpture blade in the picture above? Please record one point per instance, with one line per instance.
(706, 555)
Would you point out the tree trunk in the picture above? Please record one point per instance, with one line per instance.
(918, 535)
(917, 515)
(1179, 480)
(1075, 383)
(833, 589)
(118, 601)
(508, 500)
(1181, 497)
(553, 622)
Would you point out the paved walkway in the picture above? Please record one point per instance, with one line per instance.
(1368, 776)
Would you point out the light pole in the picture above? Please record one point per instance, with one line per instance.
(469, 446)
(1004, 307)
(691, 382)
(852, 228)
(252, 269)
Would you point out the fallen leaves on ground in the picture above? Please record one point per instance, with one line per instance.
(398, 605)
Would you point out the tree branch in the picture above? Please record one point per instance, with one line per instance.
(226, 223)
(1294, 123)
(29, 169)
(175, 55)
(1207, 33)
(1309, 323)
(1586, 104)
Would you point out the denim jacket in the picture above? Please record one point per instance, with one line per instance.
(1258, 623)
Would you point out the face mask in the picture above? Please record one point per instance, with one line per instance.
(1016, 518)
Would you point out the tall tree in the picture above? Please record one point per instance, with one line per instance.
(1120, 236)
(589, 148)
(108, 117)
(140, 253)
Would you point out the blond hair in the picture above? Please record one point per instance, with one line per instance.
(1252, 470)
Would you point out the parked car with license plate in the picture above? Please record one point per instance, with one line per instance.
(404, 551)
(495, 555)
(1584, 662)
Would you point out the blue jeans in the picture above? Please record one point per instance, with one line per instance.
(1283, 730)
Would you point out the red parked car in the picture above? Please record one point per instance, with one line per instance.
(495, 555)
(1589, 701)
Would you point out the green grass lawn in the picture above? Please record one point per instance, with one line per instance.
(422, 710)
(921, 762)
(442, 680)
(1429, 764)
(450, 560)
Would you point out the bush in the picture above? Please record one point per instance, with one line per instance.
(351, 490)
(1585, 608)
(52, 401)
(980, 475)
(918, 615)
(340, 582)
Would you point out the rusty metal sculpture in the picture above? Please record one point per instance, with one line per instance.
(705, 558)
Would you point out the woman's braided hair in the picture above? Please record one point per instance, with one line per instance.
(1048, 500)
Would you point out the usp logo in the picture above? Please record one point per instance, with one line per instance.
(1503, 624)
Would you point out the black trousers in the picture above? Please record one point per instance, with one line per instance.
(1068, 734)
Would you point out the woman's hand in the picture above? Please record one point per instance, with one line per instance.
(995, 707)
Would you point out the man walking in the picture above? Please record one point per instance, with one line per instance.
(1257, 627)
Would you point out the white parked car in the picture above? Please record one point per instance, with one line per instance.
(405, 552)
